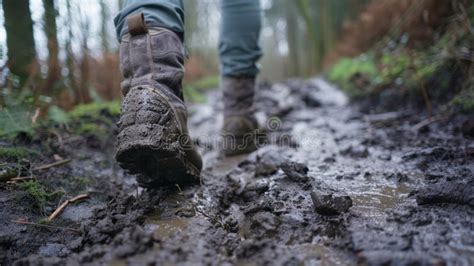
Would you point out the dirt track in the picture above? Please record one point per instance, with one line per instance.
(332, 186)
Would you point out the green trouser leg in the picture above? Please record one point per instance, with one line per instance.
(167, 14)
(239, 33)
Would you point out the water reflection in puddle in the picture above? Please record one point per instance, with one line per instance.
(377, 200)
(164, 226)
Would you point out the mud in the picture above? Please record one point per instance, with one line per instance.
(332, 185)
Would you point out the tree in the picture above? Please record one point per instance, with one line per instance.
(50, 29)
(20, 40)
(311, 29)
(292, 38)
(104, 35)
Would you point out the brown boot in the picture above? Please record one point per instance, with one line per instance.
(240, 125)
(153, 138)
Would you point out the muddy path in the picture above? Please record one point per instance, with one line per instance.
(330, 185)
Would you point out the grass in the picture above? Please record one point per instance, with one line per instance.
(432, 74)
(95, 109)
(13, 121)
(193, 91)
(206, 83)
(91, 128)
(16, 153)
(464, 101)
(345, 69)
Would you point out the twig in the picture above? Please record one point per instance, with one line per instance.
(20, 178)
(64, 204)
(427, 122)
(47, 226)
(35, 116)
(179, 189)
(47, 166)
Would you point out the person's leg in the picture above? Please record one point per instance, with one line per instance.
(239, 52)
(153, 139)
(167, 14)
(239, 49)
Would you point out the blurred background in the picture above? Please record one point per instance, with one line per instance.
(58, 54)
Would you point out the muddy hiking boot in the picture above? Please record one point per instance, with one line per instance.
(240, 130)
(153, 139)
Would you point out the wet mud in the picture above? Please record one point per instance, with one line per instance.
(330, 185)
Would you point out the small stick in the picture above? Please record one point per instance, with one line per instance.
(47, 226)
(64, 204)
(47, 166)
(427, 122)
(35, 116)
(21, 178)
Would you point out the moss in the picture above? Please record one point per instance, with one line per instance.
(91, 128)
(58, 115)
(95, 109)
(344, 70)
(82, 181)
(193, 95)
(38, 193)
(392, 66)
(464, 101)
(16, 153)
(193, 90)
(367, 74)
(206, 83)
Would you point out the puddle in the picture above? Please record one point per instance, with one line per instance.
(164, 226)
(317, 254)
(381, 198)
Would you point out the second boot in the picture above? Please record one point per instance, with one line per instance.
(240, 130)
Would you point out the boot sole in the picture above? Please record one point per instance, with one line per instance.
(157, 168)
(148, 143)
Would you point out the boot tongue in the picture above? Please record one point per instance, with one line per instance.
(136, 24)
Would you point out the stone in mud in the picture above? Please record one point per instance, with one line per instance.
(265, 168)
(330, 159)
(259, 186)
(295, 171)
(358, 151)
(330, 204)
(447, 192)
(429, 154)
(76, 244)
(53, 250)
(311, 100)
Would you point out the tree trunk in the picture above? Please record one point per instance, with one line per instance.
(304, 9)
(82, 93)
(292, 38)
(104, 13)
(20, 40)
(50, 29)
